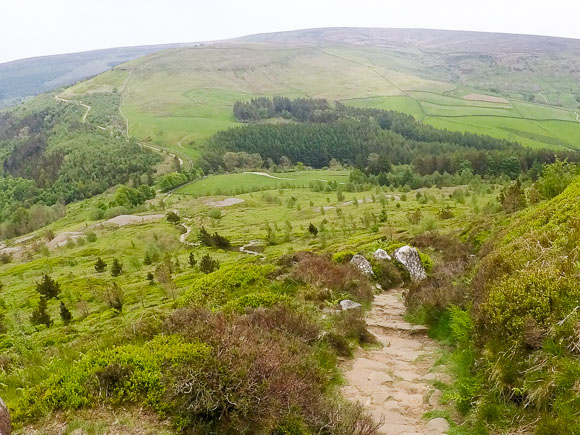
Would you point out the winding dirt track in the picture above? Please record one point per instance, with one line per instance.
(393, 382)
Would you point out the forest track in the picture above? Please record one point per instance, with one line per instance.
(393, 382)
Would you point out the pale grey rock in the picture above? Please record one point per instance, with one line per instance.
(363, 264)
(437, 426)
(347, 304)
(381, 254)
(409, 258)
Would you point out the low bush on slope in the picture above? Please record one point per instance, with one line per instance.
(245, 351)
(517, 339)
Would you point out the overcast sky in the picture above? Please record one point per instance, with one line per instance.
(40, 27)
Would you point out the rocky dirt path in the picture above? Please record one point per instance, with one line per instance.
(393, 382)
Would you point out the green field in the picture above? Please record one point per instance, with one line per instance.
(533, 125)
(231, 184)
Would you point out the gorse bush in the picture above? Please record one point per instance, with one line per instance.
(131, 373)
(255, 300)
(517, 349)
(229, 282)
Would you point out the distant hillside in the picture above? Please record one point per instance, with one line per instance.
(27, 77)
(506, 63)
(427, 39)
(519, 88)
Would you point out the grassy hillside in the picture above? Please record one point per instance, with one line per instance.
(178, 98)
(101, 337)
(27, 77)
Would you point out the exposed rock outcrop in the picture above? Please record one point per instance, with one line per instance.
(363, 264)
(347, 304)
(381, 254)
(409, 258)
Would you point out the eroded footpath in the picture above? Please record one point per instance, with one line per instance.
(394, 382)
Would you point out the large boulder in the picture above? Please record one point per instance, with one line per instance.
(409, 258)
(363, 265)
(5, 425)
(347, 304)
(381, 254)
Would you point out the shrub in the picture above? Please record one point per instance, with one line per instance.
(131, 373)
(100, 265)
(255, 300)
(116, 268)
(331, 280)
(91, 237)
(173, 217)
(227, 283)
(191, 259)
(208, 264)
(39, 315)
(215, 213)
(343, 256)
(426, 261)
(214, 240)
(48, 287)
(273, 376)
(312, 229)
(446, 213)
(65, 314)
(386, 274)
(543, 295)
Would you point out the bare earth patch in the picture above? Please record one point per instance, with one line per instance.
(127, 219)
(264, 174)
(487, 98)
(225, 202)
(62, 238)
(393, 382)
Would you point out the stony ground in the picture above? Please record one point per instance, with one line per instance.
(394, 381)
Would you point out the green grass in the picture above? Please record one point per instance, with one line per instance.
(230, 183)
(399, 103)
(535, 134)
(533, 125)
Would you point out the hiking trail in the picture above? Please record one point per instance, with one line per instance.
(393, 382)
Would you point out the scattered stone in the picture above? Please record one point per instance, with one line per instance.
(363, 264)
(5, 424)
(347, 304)
(437, 426)
(381, 254)
(379, 287)
(409, 258)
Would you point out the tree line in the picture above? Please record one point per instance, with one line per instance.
(372, 140)
(299, 109)
(48, 157)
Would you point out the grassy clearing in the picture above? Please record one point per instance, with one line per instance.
(231, 183)
(535, 134)
(399, 103)
(533, 125)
